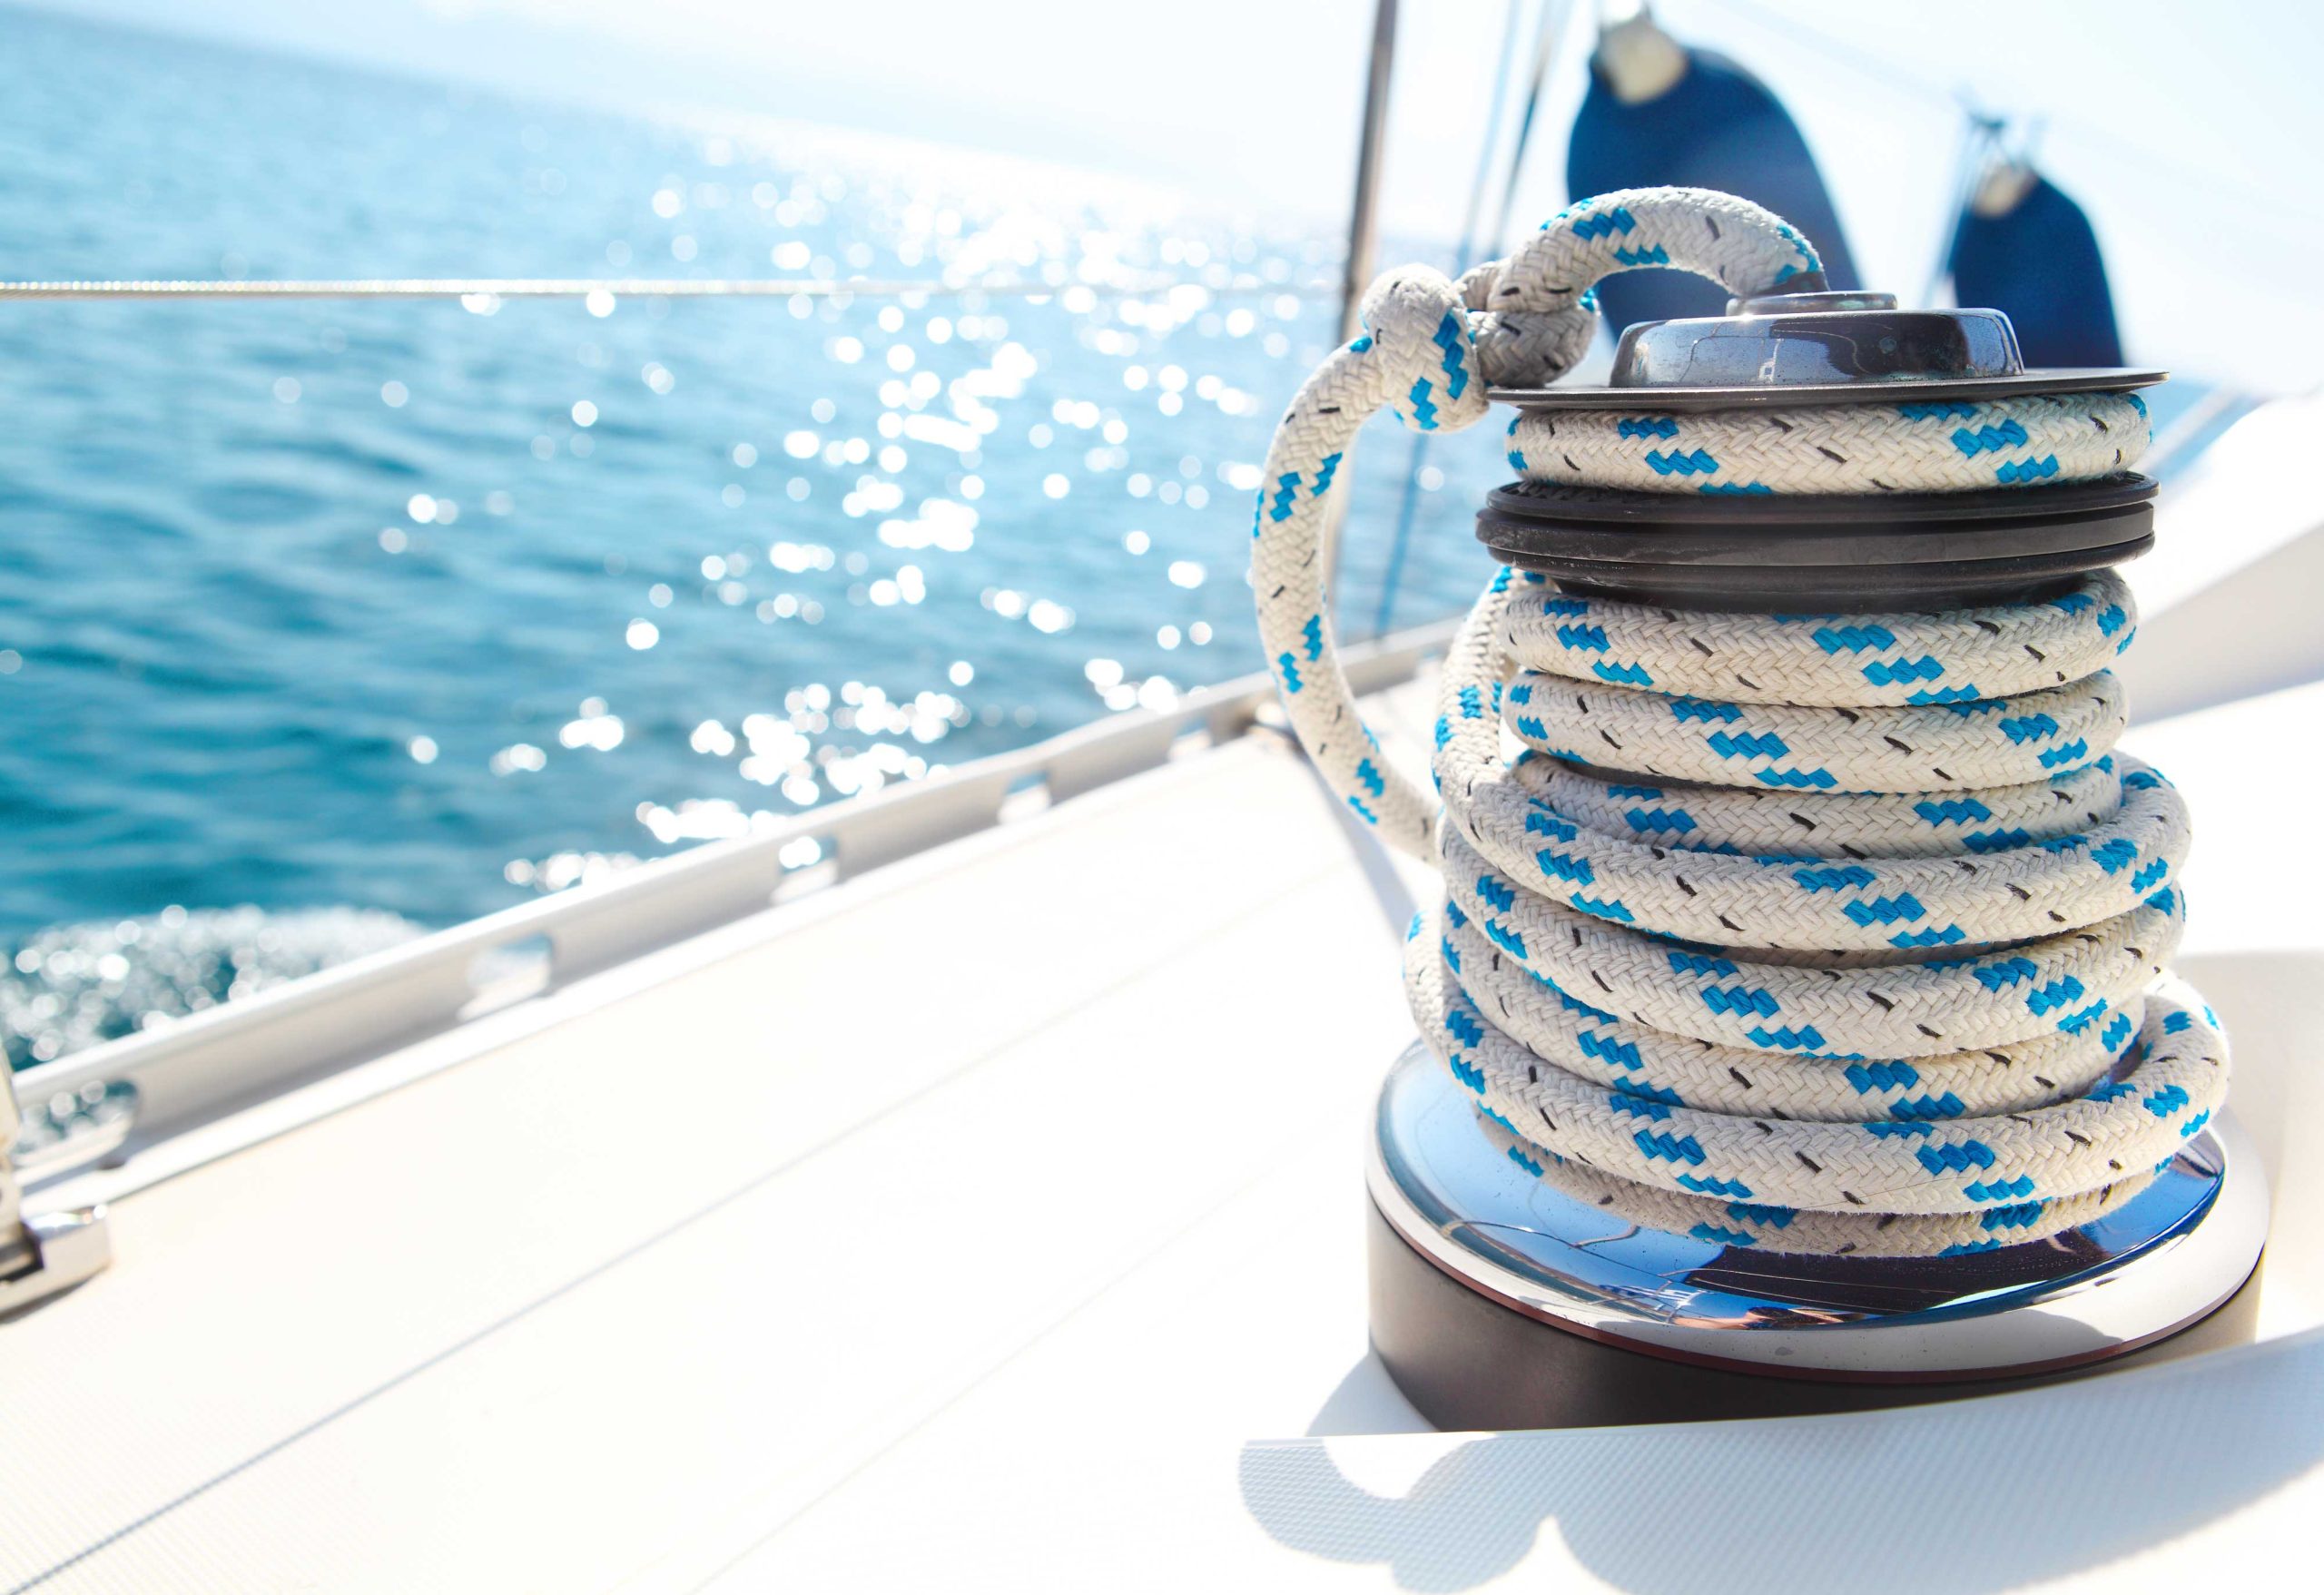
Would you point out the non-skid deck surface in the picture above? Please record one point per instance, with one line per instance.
(621, 1298)
(991, 1223)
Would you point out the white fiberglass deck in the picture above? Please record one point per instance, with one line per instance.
(984, 1222)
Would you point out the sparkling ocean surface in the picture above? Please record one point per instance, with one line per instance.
(325, 622)
(356, 618)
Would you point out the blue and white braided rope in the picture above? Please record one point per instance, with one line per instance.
(1937, 448)
(1823, 933)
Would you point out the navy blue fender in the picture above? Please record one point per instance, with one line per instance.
(1717, 127)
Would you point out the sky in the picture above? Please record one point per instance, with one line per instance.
(2187, 131)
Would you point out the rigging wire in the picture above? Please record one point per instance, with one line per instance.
(499, 287)
(1496, 108)
(1877, 68)
(1392, 577)
(1548, 25)
(1873, 66)
(1555, 16)
(1980, 137)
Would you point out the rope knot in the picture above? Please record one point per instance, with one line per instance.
(1416, 328)
(1522, 341)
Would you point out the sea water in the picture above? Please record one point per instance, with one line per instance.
(325, 622)
(322, 623)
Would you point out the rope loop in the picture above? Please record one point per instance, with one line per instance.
(1527, 321)
(1429, 350)
(1534, 312)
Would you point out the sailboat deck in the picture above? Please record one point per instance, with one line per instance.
(992, 1220)
(961, 1225)
(546, 1318)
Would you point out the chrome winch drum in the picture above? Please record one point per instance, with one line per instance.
(1500, 1301)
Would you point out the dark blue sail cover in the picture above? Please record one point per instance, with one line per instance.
(1717, 127)
(2039, 265)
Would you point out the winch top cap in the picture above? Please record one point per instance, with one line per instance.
(1790, 340)
(1825, 347)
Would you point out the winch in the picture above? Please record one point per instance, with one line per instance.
(1877, 550)
(1795, 1030)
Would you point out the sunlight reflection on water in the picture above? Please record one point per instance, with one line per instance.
(421, 607)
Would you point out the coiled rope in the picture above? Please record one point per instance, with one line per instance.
(1832, 934)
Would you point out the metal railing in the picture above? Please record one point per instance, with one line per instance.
(51, 1252)
(500, 288)
(111, 1100)
(162, 1083)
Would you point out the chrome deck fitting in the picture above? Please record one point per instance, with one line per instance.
(1500, 1302)
(49, 1252)
(1497, 1301)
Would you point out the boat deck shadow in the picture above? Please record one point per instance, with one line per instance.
(1953, 1500)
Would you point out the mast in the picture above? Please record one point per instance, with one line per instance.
(1363, 222)
(1363, 231)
